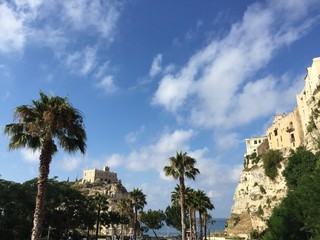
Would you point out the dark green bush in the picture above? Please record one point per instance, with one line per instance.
(271, 163)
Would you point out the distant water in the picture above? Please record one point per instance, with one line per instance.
(218, 226)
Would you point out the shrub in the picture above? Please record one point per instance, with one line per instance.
(271, 163)
(262, 190)
(260, 211)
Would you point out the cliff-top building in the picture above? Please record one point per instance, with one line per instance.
(285, 131)
(91, 175)
(288, 131)
(253, 143)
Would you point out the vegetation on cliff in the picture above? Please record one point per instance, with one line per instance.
(298, 215)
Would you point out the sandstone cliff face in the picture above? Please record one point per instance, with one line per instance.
(255, 197)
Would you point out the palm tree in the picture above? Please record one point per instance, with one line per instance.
(40, 125)
(207, 220)
(100, 205)
(179, 167)
(189, 203)
(203, 204)
(138, 199)
(124, 207)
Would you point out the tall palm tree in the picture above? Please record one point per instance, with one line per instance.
(203, 204)
(100, 205)
(190, 204)
(179, 167)
(40, 125)
(207, 220)
(138, 199)
(124, 207)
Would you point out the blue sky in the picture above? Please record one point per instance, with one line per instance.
(156, 77)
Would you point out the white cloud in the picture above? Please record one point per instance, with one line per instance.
(213, 86)
(30, 155)
(82, 62)
(132, 136)
(155, 156)
(107, 84)
(227, 141)
(115, 160)
(102, 16)
(70, 163)
(156, 66)
(12, 33)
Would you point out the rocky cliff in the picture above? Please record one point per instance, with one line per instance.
(256, 194)
(255, 197)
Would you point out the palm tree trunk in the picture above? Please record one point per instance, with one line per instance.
(135, 223)
(45, 160)
(200, 225)
(190, 223)
(98, 221)
(205, 226)
(195, 224)
(183, 212)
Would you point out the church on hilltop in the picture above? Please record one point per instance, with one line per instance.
(92, 175)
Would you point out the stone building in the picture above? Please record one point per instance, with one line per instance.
(285, 131)
(308, 98)
(253, 143)
(91, 175)
(288, 131)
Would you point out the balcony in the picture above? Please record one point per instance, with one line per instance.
(290, 129)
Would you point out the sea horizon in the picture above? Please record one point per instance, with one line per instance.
(166, 231)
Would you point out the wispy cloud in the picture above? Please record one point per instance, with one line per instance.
(156, 66)
(214, 83)
(12, 35)
(133, 136)
(107, 85)
(165, 146)
(102, 16)
(30, 155)
(70, 163)
(83, 61)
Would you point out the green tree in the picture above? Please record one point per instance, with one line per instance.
(40, 125)
(190, 204)
(16, 209)
(298, 215)
(138, 199)
(173, 216)
(124, 207)
(271, 163)
(300, 162)
(179, 167)
(66, 208)
(153, 219)
(100, 204)
(203, 204)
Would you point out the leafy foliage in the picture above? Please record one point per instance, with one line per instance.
(298, 215)
(173, 216)
(300, 162)
(180, 167)
(153, 219)
(271, 163)
(66, 209)
(41, 126)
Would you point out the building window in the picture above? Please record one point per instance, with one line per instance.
(292, 139)
(255, 142)
(276, 132)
